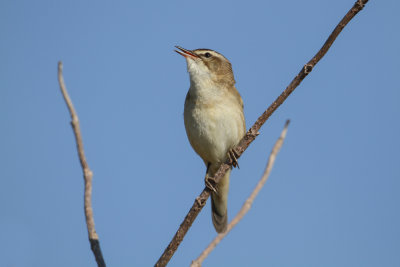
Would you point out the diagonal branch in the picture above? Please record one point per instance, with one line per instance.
(247, 204)
(87, 173)
(253, 132)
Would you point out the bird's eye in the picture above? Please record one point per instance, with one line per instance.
(207, 55)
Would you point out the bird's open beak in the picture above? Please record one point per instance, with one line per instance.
(186, 53)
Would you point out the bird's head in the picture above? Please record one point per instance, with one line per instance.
(207, 64)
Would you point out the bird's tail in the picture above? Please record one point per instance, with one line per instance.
(219, 204)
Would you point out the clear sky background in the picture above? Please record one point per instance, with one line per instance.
(333, 195)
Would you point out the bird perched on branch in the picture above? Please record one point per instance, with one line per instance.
(214, 121)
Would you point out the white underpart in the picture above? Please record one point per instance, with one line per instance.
(213, 119)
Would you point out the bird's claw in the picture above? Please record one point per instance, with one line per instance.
(233, 155)
(210, 183)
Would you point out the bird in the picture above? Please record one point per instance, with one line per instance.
(214, 121)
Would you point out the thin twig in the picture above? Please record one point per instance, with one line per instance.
(87, 173)
(247, 204)
(200, 201)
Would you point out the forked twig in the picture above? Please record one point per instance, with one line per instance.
(200, 201)
(87, 173)
(247, 204)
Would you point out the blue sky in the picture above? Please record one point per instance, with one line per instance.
(333, 195)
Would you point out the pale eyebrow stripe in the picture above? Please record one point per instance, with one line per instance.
(214, 53)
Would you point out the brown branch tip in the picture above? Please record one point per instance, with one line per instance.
(87, 173)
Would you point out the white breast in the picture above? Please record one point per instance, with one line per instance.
(214, 121)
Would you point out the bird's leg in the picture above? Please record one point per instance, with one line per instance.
(209, 181)
(233, 155)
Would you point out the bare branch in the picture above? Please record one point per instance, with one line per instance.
(247, 204)
(253, 132)
(87, 173)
